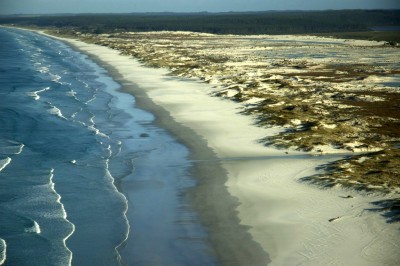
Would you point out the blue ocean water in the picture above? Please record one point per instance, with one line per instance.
(68, 140)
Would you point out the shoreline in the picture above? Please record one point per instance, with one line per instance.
(285, 230)
(235, 234)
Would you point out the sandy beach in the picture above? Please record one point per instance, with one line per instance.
(266, 214)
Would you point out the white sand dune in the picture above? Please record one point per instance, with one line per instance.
(289, 219)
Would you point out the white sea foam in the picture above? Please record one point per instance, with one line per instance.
(52, 186)
(119, 147)
(56, 78)
(35, 228)
(109, 149)
(3, 249)
(21, 148)
(97, 131)
(35, 94)
(55, 111)
(92, 99)
(43, 70)
(71, 93)
(4, 163)
(92, 127)
(9, 147)
(112, 179)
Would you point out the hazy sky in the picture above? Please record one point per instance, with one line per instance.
(126, 6)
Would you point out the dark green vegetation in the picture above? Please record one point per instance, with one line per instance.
(289, 22)
(390, 36)
(390, 209)
(367, 171)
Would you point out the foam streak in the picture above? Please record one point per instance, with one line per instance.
(4, 163)
(52, 185)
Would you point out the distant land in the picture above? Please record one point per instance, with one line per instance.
(268, 22)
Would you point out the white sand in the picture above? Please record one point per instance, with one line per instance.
(288, 219)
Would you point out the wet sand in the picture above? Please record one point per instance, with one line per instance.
(230, 241)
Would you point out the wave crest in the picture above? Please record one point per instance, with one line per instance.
(4, 163)
(35, 94)
(9, 147)
(3, 249)
(35, 228)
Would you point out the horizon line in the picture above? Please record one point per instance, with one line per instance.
(196, 12)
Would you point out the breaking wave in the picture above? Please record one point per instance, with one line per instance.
(9, 147)
(4, 163)
(35, 94)
(3, 250)
(52, 185)
(35, 228)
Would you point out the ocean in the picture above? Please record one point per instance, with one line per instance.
(86, 178)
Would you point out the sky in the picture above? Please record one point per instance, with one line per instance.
(128, 6)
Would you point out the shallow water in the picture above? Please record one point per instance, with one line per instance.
(68, 140)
